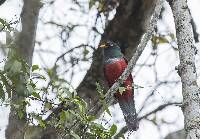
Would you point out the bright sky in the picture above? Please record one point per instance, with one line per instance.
(166, 62)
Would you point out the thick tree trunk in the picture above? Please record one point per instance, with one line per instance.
(24, 45)
(187, 69)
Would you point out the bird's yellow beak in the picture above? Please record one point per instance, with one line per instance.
(103, 46)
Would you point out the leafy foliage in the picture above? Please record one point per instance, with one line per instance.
(17, 78)
(4, 25)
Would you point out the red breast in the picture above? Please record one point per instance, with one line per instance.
(113, 72)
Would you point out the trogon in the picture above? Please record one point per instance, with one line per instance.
(114, 65)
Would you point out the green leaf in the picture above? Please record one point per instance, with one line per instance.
(91, 3)
(81, 104)
(99, 89)
(20, 114)
(16, 67)
(66, 91)
(62, 116)
(172, 36)
(85, 52)
(2, 21)
(30, 89)
(75, 114)
(67, 115)
(50, 72)
(6, 84)
(47, 106)
(97, 126)
(162, 40)
(36, 95)
(35, 67)
(90, 118)
(113, 129)
(41, 123)
(105, 106)
(121, 90)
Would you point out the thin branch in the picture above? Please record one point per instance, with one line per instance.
(68, 51)
(159, 108)
(194, 28)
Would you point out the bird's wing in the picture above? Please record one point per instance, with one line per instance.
(104, 72)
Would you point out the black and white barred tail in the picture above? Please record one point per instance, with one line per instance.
(130, 115)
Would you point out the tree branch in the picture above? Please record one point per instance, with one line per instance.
(24, 46)
(194, 28)
(187, 68)
(159, 108)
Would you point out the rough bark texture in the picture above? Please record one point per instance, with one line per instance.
(24, 44)
(127, 27)
(187, 69)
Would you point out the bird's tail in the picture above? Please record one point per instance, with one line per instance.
(129, 112)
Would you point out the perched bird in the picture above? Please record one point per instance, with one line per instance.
(114, 65)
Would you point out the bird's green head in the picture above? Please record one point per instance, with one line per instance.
(111, 50)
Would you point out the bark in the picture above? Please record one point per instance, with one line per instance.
(24, 45)
(187, 69)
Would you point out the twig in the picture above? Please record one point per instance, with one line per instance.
(159, 108)
(194, 28)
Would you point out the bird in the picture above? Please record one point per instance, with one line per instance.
(114, 65)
